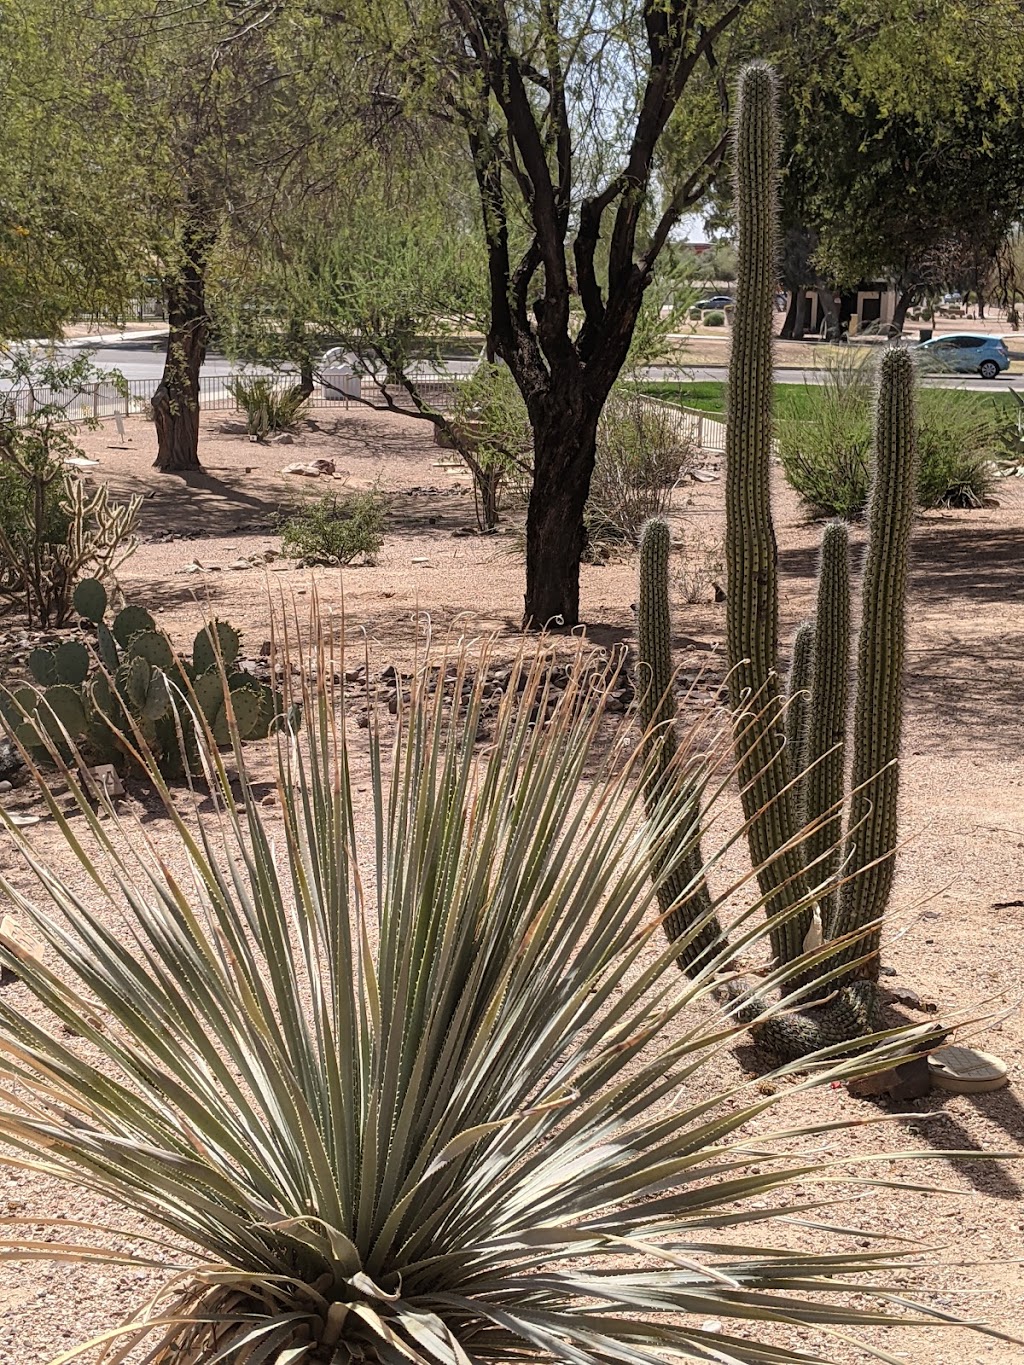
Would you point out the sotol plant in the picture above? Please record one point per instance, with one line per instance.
(789, 749)
(450, 1106)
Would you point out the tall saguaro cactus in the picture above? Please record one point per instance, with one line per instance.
(751, 556)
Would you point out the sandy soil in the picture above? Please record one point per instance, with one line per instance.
(958, 929)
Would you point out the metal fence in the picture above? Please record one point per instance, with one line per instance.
(105, 398)
(705, 431)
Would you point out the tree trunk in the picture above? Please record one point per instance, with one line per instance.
(306, 376)
(176, 401)
(565, 446)
(793, 314)
(827, 303)
(899, 314)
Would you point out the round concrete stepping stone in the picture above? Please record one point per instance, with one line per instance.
(967, 1071)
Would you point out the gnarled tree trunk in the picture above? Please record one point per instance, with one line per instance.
(565, 446)
(792, 327)
(899, 314)
(176, 401)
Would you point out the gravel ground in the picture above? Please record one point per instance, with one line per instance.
(957, 932)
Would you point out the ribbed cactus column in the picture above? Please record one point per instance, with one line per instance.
(752, 611)
(798, 706)
(824, 788)
(878, 707)
(682, 891)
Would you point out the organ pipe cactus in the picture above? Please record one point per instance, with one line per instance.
(798, 705)
(790, 750)
(682, 891)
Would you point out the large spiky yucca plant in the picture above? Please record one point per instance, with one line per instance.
(424, 1089)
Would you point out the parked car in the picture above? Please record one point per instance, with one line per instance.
(716, 301)
(964, 353)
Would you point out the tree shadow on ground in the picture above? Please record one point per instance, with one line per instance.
(950, 561)
(945, 1132)
(198, 501)
(959, 676)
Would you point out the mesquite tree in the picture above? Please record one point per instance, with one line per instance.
(220, 114)
(572, 230)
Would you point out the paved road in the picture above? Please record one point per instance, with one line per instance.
(144, 360)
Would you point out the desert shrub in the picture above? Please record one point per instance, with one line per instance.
(494, 437)
(958, 438)
(700, 566)
(716, 318)
(827, 460)
(414, 1077)
(336, 529)
(268, 405)
(1010, 437)
(54, 528)
(641, 454)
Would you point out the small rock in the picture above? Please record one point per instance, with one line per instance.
(240, 564)
(712, 1325)
(106, 780)
(269, 800)
(5, 786)
(903, 995)
(909, 1080)
(284, 438)
(354, 675)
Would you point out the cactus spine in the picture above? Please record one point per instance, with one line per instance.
(752, 610)
(826, 722)
(682, 891)
(878, 708)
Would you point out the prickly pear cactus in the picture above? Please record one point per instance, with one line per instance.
(90, 599)
(140, 690)
(217, 641)
(130, 621)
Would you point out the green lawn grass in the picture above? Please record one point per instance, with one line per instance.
(793, 402)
